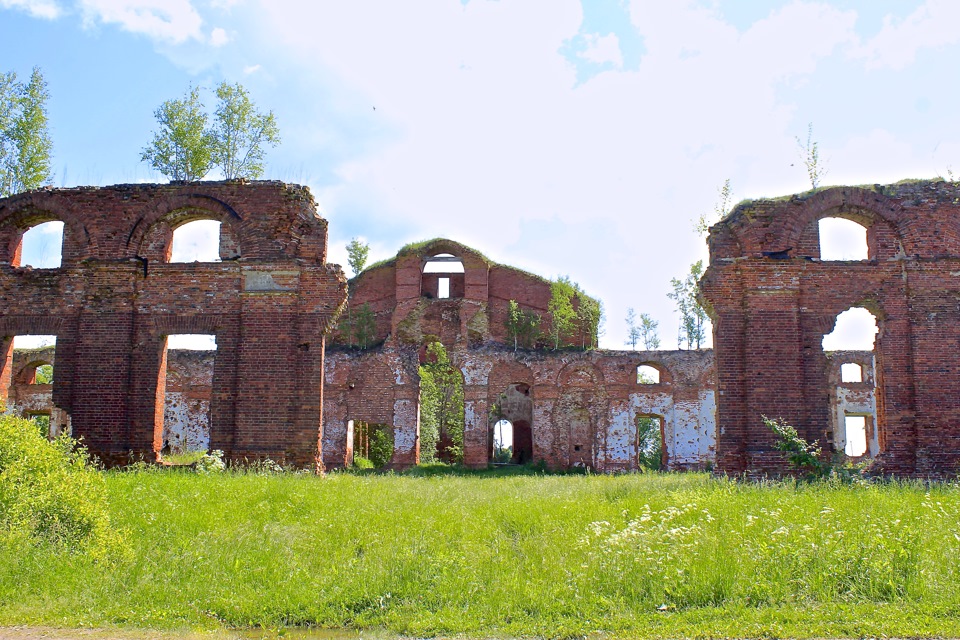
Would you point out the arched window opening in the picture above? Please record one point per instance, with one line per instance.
(41, 246)
(842, 239)
(856, 330)
(855, 436)
(651, 450)
(502, 442)
(185, 389)
(197, 241)
(443, 277)
(851, 372)
(647, 374)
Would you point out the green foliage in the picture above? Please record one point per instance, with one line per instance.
(358, 329)
(25, 144)
(240, 132)
(645, 332)
(693, 317)
(49, 493)
(441, 406)
(523, 326)
(183, 147)
(720, 209)
(372, 444)
(211, 462)
(804, 456)
(562, 314)
(810, 155)
(381, 447)
(357, 253)
(590, 316)
(44, 374)
(649, 443)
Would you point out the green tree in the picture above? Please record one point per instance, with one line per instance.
(357, 253)
(365, 326)
(441, 405)
(240, 133)
(648, 332)
(589, 315)
(562, 314)
(25, 144)
(523, 326)
(693, 318)
(183, 148)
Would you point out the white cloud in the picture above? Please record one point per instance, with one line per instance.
(172, 21)
(932, 25)
(251, 69)
(602, 49)
(47, 9)
(219, 37)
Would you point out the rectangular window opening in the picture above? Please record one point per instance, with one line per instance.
(185, 396)
(855, 428)
(443, 288)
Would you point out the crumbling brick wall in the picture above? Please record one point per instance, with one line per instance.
(772, 300)
(578, 408)
(116, 297)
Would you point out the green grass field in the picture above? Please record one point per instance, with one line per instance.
(506, 555)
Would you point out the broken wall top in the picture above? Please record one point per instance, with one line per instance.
(260, 220)
(913, 219)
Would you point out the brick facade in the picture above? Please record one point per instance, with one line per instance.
(773, 299)
(114, 299)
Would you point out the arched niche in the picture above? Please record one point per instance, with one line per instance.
(442, 277)
(158, 241)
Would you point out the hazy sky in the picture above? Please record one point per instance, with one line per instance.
(566, 137)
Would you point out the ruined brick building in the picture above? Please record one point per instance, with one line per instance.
(773, 298)
(286, 380)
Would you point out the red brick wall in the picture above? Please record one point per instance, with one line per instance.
(772, 310)
(114, 299)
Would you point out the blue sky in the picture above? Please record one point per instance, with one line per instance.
(567, 137)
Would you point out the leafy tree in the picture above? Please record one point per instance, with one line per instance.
(562, 314)
(365, 326)
(589, 315)
(441, 405)
(183, 148)
(240, 132)
(44, 374)
(523, 326)
(357, 253)
(693, 317)
(648, 332)
(25, 144)
(810, 155)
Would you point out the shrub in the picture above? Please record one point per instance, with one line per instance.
(50, 494)
(211, 462)
(381, 447)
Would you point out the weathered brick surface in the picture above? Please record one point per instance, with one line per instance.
(773, 299)
(115, 298)
(577, 409)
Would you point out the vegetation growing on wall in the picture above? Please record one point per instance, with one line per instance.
(441, 407)
(575, 317)
(523, 326)
(358, 328)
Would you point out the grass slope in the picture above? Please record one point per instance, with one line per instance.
(556, 556)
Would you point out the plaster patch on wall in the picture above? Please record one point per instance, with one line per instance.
(186, 423)
(405, 427)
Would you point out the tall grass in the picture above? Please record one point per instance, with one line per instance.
(556, 556)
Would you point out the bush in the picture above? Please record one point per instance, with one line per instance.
(381, 447)
(211, 462)
(50, 494)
